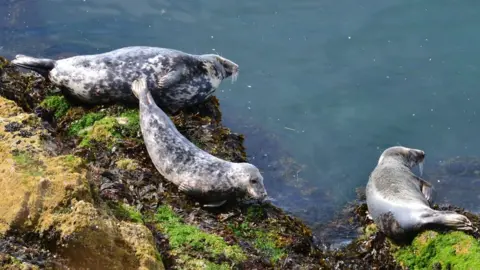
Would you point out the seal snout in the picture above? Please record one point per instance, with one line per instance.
(417, 155)
(231, 69)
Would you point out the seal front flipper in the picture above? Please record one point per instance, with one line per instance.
(43, 66)
(427, 189)
(168, 78)
(186, 188)
(183, 187)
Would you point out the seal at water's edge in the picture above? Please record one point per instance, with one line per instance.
(176, 79)
(399, 201)
(194, 171)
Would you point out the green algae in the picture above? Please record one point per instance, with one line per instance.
(102, 130)
(184, 237)
(72, 162)
(453, 250)
(368, 231)
(27, 163)
(86, 121)
(194, 263)
(57, 104)
(105, 128)
(131, 127)
(126, 212)
(127, 164)
(268, 242)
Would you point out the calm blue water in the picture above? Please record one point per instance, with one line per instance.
(335, 81)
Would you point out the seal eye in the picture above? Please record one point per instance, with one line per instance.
(253, 181)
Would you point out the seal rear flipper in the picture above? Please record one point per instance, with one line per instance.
(139, 88)
(448, 219)
(43, 66)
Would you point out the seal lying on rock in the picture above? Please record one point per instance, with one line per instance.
(194, 171)
(399, 202)
(176, 79)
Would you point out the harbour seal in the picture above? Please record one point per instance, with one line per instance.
(176, 79)
(399, 201)
(194, 171)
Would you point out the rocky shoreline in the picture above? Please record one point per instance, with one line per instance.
(81, 193)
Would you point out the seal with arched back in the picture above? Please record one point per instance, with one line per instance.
(194, 171)
(176, 79)
(399, 201)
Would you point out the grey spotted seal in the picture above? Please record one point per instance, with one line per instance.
(399, 202)
(176, 79)
(194, 171)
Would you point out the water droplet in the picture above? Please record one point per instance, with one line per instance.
(349, 37)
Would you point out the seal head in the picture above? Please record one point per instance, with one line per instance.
(250, 179)
(399, 201)
(407, 156)
(221, 67)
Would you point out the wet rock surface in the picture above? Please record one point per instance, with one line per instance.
(143, 217)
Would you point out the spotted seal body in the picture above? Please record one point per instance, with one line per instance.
(399, 202)
(194, 171)
(176, 79)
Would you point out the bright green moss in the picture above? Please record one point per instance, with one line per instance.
(58, 104)
(131, 127)
(453, 250)
(183, 237)
(86, 121)
(126, 212)
(267, 244)
(102, 130)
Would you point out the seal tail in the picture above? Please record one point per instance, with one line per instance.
(43, 66)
